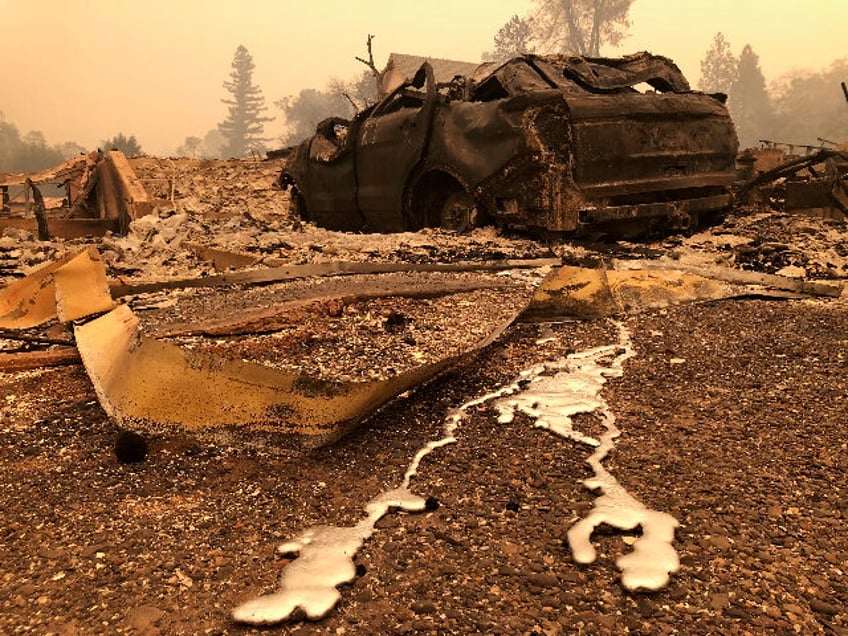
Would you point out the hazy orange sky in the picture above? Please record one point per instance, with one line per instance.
(84, 70)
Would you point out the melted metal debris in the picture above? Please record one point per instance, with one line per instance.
(324, 560)
(552, 401)
(325, 553)
(551, 393)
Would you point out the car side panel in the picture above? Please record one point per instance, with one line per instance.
(330, 190)
(388, 148)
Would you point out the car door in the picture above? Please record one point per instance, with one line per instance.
(391, 142)
(330, 181)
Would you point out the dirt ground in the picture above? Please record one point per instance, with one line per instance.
(733, 418)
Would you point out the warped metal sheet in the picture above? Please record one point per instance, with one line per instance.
(572, 291)
(155, 387)
(31, 301)
(81, 287)
(579, 292)
(638, 290)
(37, 299)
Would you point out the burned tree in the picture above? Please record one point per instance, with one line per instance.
(375, 72)
(580, 26)
(245, 124)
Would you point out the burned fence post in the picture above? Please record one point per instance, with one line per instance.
(39, 210)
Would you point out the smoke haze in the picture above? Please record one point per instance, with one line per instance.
(85, 70)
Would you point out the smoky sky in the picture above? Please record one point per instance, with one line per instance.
(84, 70)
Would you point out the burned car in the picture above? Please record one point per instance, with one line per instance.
(553, 143)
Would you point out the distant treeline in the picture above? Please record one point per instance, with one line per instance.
(810, 106)
(30, 152)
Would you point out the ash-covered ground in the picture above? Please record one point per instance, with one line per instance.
(733, 417)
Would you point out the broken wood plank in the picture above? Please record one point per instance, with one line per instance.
(63, 228)
(221, 259)
(29, 360)
(338, 268)
(134, 200)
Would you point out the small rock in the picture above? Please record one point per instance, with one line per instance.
(424, 607)
(823, 607)
(144, 616)
(543, 579)
(647, 607)
(719, 600)
(736, 612)
(130, 447)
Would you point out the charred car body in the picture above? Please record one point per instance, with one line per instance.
(553, 143)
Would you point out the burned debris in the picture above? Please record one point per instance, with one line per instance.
(548, 143)
(814, 184)
(101, 193)
(222, 335)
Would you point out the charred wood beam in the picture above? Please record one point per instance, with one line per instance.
(40, 212)
(10, 334)
(25, 361)
(786, 169)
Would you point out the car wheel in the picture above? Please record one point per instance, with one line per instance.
(459, 213)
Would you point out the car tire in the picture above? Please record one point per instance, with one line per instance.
(459, 213)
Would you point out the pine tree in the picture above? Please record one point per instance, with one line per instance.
(244, 125)
(749, 104)
(718, 68)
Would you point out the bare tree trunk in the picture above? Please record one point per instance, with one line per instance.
(597, 19)
(378, 74)
(575, 34)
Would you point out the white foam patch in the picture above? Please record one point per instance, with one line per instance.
(552, 394)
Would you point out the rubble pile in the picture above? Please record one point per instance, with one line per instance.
(771, 243)
(243, 344)
(212, 188)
